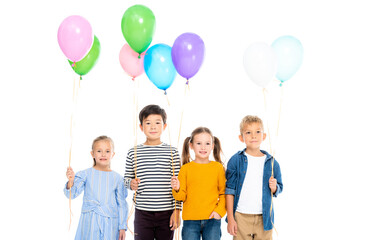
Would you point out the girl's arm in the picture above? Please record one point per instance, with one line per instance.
(221, 206)
(121, 195)
(181, 194)
(78, 186)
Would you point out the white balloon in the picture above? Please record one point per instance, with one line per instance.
(260, 63)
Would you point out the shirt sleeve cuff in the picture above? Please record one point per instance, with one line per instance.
(229, 191)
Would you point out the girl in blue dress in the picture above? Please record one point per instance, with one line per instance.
(104, 210)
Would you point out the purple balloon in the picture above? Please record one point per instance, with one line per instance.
(188, 52)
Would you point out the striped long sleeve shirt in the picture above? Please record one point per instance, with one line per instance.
(154, 166)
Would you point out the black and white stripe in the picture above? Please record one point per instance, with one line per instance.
(154, 169)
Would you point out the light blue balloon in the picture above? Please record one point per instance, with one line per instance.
(289, 53)
(159, 66)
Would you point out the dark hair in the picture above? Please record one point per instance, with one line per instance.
(217, 145)
(102, 138)
(152, 109)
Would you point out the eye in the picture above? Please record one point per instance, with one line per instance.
(247, 133)
(198, 143)
(258, 131)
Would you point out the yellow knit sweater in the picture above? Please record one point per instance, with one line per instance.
(202, 190)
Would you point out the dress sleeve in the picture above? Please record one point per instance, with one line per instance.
(221, 205)
(176, 162)
(121, 195)
(78, 187)
(129, 171)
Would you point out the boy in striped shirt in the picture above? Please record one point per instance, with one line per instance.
(148, 171)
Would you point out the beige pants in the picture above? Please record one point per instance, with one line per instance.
(250, 226)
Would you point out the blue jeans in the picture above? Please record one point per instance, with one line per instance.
(209, 229)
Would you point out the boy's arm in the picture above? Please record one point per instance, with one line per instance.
(278, 177)
(232, 227)
(129, 171)
(176, 162)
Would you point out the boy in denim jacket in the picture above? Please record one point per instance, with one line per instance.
(252, 176)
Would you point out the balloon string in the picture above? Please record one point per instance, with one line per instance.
(273, 153)
(72, 123)
(135, 123)
(181, 117)
(173, 170)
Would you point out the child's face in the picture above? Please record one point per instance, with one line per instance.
(202, 146)
(153, 126)
(252, 135)
(102, 153)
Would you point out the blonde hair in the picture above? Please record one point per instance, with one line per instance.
(102, 138)
(217, 145)
(249, 119)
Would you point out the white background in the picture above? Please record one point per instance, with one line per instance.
(321, 134)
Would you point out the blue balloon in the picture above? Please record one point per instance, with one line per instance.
(289, 53)
(159, 66)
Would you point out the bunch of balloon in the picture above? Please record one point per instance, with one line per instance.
(76, 40)
(138, 28)
(289, 52)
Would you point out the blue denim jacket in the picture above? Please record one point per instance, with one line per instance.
(235, 175)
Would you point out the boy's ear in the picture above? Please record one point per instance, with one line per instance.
(165, 124)
(142, 129)
(264, 136)
(241, 138)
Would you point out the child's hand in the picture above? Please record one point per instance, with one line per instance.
(135, 183)
(122, 234)
(71, 176)
(175, 183)
(175, 220)
(273, 184)
(232, 227)
(215, 215)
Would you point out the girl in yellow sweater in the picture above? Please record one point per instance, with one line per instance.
(201, 186)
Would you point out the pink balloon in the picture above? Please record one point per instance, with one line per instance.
(75, 37)
(130, 61)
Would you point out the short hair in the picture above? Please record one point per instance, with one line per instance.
(152, 109)
(249, 119)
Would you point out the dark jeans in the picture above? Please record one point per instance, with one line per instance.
(153, 225)
(209, 229)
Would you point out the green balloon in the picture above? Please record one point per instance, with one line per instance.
(138, 27)
(87, 63)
